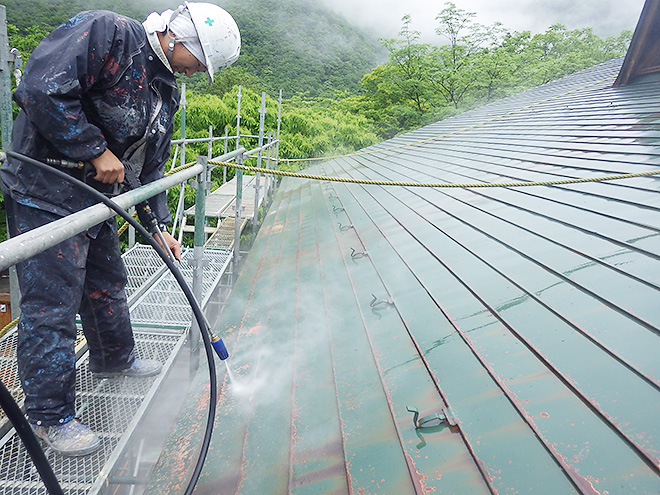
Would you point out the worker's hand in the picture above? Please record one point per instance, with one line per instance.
(173, 244)
(109, 168)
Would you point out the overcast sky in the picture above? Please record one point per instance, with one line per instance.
(383, 17)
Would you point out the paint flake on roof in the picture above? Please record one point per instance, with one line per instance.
(526, 316)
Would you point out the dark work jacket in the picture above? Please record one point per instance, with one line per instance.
(93, 83)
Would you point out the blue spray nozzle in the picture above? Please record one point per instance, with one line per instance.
(220, 348)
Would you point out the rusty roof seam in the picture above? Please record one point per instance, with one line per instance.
(578, 481)
(442, 397)
(344, 454)
(651, 460)
(242, 330)
(342, 399)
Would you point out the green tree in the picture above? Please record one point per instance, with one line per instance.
(399, 92)
(410, 63)
(477, 64)
(461, 63)
(560, 51)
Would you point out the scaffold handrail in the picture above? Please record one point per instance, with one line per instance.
(29, 243)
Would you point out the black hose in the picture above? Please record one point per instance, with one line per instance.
(199, 316)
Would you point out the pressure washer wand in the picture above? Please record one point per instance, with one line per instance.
(63, 163)
(218, 346)
(131, 181)
(88, 171)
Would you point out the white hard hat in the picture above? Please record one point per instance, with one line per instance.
(218, 35)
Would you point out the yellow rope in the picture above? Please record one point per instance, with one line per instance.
(125, 225)
(437, 184)
(8, 327)
(180, 168)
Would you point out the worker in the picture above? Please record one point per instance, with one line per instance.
(101, 89)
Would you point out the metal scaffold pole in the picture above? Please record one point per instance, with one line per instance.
(262, 123)
(269, 179)
(6, 124)
(5, 81)
(198, 256)
(238, 207)
(224, 169)
(279, 125)
(238, 117)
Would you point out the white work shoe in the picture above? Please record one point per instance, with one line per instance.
(72, 438)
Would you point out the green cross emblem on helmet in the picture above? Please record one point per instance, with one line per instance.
(209, 21)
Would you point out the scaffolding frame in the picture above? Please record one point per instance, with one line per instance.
(162, 324)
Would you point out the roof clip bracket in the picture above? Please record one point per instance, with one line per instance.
(429, 421)
(375, 302)
(357, 255)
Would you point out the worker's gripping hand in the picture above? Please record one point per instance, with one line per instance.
(109, 168)
(174, 245)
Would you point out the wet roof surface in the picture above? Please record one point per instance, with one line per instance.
(528, 317)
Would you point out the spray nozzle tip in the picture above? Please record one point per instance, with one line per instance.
(220, 348)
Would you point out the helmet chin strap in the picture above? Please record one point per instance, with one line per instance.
(170, 35)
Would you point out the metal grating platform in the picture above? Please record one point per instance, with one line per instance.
(142, 266)
(111, 407)
(163, 303)
(221, 202)
(224, 235)
(221, 205)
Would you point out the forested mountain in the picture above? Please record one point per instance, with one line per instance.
(301, 46)
(48, 14)
(295, 45)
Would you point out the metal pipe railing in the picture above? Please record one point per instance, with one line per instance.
(199, 140)
(35, 241)
(232, 154)
(254, 151)
(176, 142)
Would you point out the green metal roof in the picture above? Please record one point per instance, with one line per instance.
(529, 317)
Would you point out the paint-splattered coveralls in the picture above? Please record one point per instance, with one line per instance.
(93, 83)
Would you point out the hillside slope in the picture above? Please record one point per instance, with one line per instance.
(302, 47)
